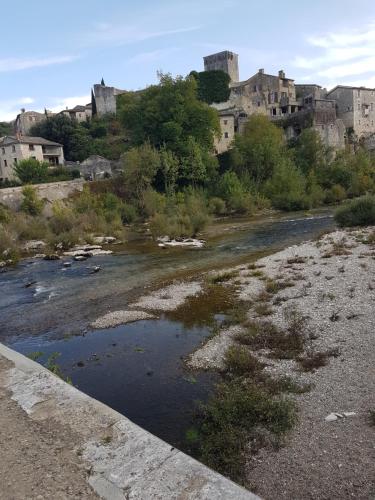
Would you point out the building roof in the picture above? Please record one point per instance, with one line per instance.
(308, 85)
(350, 88)
(24, 139)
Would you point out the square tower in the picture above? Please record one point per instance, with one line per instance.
(225, 61)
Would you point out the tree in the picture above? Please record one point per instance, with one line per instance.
(31, 171)
(258, 150)
(169, 165)
(286, 187)
(140, 165)
(310, 152)
(168, 114)
(5, 129)
(213, 86)
(31, 204)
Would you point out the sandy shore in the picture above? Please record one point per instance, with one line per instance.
(331, 282)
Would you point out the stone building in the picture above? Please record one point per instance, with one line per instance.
(225, 61)
(26, 120)
(104, 99)
(15, 149)
(79, 113)
(356, 108)
(294, 107)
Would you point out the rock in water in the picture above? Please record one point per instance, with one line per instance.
(80, 258)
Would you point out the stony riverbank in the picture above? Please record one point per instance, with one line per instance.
(330, 283)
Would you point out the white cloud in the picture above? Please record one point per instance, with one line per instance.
(58, 104)
(10, 108)
(343, 55)
(15, 64)
(116, 35)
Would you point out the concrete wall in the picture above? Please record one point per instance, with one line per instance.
(133, 464)
(53, 191)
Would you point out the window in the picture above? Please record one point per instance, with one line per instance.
(225, 122)
(15, 161)
(31, 147)
(5, 163)
(13, 149)
(226, 135)
(258, 104)
(3, 150)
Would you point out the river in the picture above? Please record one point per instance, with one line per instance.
(138, 368)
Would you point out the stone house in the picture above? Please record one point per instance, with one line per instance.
(27, 119)
(79, 113)
(15, 149)
(95, 167)
(225, 61)
(356, 108)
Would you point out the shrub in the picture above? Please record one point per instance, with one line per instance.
(26, 227)
(31, 171)
(217, 206)
(336, 194)
(31, 204)
(63, 218)
(128, 213)
(232, 415)
(239, 361)
(8, 249)
(4, 214)
(360, 212)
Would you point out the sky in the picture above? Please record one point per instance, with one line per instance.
(52, 52)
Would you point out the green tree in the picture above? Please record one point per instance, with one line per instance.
(258, 150)
(5, 129)
(310, 152)
(213, 86)
(170, 166)
(140, 165)
(168, 114)
(31, 204)
(31, 171)
(286, 187)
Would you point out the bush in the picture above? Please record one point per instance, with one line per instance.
(217, 206)
(63, 218)
(31, 171)
(31, 204)
(240, 361)
(4, 214)
(360, 212)
(236, 411)
(8, 249)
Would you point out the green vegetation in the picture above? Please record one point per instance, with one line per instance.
(238, 412)
(31, 171)
(5, 129)
(31, 204)
(213, 86)
(360, 212)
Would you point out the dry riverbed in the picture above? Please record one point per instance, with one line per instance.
(326, 290)
(331, 283)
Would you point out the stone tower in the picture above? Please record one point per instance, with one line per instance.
(226, 61)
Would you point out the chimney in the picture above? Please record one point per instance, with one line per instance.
(261, 71)
(281, 73)
(23, 110)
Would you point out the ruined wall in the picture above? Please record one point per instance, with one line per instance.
(227, 126)
(53, 191)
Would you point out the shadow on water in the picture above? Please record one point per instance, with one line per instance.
(138, 368)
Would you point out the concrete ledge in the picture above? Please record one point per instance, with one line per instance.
(126, 462)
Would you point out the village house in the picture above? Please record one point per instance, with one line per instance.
(79, 113)
(356, 108)
(27, 119)
(293, 107)
(15, 149)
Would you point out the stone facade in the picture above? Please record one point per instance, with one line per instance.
(356, 108)
(15, 149)
(294, 107)
(225, 61)
(105, 99)
(79, 113)
(95, 167)
(26, 120)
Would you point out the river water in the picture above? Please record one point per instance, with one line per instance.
(138, 368)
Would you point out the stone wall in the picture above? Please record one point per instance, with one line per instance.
(53, 191)
(132, 463)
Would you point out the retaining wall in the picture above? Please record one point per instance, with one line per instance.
(53, 191)
(134, 464)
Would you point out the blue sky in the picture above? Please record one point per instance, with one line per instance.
(51, 51)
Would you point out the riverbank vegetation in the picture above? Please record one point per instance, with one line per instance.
(168, 176)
